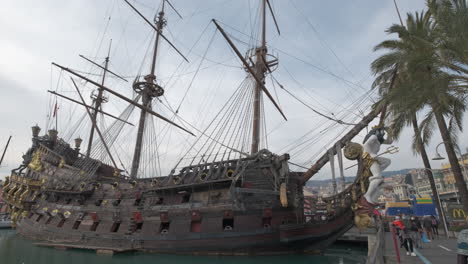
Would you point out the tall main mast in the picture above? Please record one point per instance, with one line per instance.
(148, 90)
(98, 100)
(260, 69)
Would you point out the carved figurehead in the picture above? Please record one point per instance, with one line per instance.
(374, 165)
(372, 142)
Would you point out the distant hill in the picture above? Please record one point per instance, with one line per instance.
(392, 173)
(328, 181)
(351, 178)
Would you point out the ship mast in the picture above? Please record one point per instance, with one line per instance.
(4, 150)
(260, 69)
(148, 90)
(257, 70)
(98, 100)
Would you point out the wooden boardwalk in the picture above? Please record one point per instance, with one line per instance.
(439, 250)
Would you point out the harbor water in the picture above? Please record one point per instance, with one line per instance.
(16, 250)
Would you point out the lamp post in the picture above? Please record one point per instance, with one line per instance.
(441, 208)
(457, 148)
(439, 157)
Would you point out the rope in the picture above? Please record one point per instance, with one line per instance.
(341, 122)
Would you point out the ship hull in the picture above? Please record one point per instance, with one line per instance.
(287, 239)
(249, 206)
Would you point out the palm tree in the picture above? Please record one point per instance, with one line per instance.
(451, 20)
(409, 78)
(446, 104)
(402, 111)
(451, 17)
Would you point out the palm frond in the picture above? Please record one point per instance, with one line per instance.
(427, 127)
(454, 130)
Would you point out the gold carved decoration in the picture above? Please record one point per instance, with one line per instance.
(24, 194)
(66, 214)
(24, 214)
(362, 221)
(35, 195)
(352, 151)
(283, 195)
(62, 163)
(362, 208)
(354, 193)
(14, 216)
(35, 163)
(176, 180)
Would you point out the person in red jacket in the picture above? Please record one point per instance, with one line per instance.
(403, 234)
(398, 223)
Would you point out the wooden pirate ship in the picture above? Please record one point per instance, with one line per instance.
(236, 203)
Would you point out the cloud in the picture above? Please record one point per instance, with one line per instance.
(60, 30)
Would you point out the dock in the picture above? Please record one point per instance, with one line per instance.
(357, 235)
(439, 250)
(381, 248)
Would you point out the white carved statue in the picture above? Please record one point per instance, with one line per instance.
(372, 142)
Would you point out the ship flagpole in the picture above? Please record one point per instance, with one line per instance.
(98, 100)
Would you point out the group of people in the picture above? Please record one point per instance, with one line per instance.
(414, 231)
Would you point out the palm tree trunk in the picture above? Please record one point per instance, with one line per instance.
(457, 173)
(427, 164)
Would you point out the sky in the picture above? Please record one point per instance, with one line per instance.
(324, 50)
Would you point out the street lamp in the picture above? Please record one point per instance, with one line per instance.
(439, 157)
(457, 149)
(440, 203)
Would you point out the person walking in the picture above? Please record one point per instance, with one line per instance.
(427, 224)
(404, 234)
(416, 231)
(435, 226)
(399, 226)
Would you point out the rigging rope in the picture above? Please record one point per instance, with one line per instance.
(339, 121)
(196, 72)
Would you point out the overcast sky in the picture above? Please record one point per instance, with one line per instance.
(325, 49)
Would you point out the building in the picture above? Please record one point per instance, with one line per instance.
(416, 175)
(409, 179)
(423, 186)
(449, 178)
(401, 190)
(388, 195)
(389, 180)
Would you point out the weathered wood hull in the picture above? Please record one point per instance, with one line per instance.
(248, 206)
(288, 238)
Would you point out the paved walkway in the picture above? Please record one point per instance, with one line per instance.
(440, 250)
